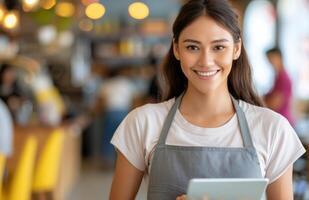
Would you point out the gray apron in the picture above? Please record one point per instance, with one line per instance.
(173, 166)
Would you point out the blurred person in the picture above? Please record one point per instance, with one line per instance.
(279, 98)
(6, 136)
(92, 85)
(6, 130)
(153, 91)
(92, 134)
(15, 94)
(210, 117)
(116, 96)
(10, 92)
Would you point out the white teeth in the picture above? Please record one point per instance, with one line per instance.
(206, 73)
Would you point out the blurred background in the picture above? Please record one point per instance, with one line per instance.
(70, 70)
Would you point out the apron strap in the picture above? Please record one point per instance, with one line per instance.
(168, 121)
(243, 125)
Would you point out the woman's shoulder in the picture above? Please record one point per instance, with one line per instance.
(152, 109)
(260, 114)
(267, 127)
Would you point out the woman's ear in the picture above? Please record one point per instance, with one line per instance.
(237, 50)
(175, 49)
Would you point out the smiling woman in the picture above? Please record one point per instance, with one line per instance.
(206, 52)
(210, 123)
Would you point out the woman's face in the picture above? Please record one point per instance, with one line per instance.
(206, 52)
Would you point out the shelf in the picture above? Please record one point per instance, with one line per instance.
(123, 61)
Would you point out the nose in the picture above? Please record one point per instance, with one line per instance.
(205, 58)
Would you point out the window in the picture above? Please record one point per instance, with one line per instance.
(259, 35)
(294, 41)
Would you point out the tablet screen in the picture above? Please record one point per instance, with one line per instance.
(226, 189)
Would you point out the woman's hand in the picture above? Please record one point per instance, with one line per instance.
(182, 197)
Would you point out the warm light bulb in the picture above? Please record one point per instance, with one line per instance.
(29, 4)
(138, 10)
(10, 20)
(95, 11)
(65, 9)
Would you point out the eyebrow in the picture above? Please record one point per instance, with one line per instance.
(198, 42)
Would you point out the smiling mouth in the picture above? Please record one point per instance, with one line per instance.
(206, 73)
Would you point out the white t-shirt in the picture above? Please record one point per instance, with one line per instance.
(276, 142)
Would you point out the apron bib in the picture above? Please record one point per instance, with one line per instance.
(173, 166)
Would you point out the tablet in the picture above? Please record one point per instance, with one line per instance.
(226, 189)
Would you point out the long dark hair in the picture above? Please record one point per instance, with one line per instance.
(240, 84)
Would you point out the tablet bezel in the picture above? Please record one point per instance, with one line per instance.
(227, 188)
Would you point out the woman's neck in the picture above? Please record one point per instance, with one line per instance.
(212, 109)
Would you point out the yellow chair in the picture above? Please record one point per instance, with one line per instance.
(47, 169)
(20, 185)
(2, 167)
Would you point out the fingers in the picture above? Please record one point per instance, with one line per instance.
(182, 197)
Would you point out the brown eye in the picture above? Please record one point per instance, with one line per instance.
(192, 48)
(219, 47)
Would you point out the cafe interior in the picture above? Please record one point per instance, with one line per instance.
(57, 62)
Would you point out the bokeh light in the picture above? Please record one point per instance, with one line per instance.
(95, 11)
(138, 10)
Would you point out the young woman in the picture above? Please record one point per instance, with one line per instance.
(211, 123)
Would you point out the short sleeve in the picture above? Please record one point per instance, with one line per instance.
(128, 140)
(286, 149)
